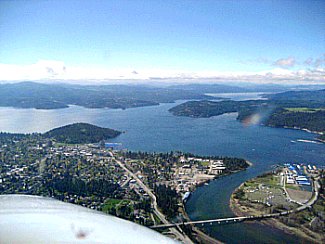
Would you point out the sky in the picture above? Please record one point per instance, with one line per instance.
(163, 40)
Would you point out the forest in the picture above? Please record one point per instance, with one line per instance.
(303, 109)
(55, 96)
(167, 200)
(79, 133)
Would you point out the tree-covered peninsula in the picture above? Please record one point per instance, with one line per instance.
(81, 133)
(304, 110)
(77, 133)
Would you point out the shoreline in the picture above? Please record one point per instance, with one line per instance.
(301, 129)
(240, 210)
(202, 237)
(200, 233)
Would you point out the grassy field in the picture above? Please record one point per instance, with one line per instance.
(266, 190)
(114, 203)
(269, 180)
(305, 110)
(293, 187)
(205, 163)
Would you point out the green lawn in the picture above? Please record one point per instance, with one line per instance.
(294, 187)
(113, 203)
(205, 163)
(306, 110)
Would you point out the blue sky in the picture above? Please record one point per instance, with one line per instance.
(192, 39)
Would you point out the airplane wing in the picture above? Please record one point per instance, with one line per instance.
(34, 219)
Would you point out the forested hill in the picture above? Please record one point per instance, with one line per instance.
(318, 95)
(300, 109)
(54, 96)
(81, 133)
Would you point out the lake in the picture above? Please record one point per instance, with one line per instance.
(155, 129)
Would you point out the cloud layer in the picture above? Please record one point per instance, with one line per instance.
(48, 70)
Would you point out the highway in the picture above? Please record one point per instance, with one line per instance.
(185, 239)
(161, 216)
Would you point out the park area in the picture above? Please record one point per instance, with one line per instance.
(267, 192)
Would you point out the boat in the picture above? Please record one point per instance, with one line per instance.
(186, 196)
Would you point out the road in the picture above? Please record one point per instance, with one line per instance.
(231, 220)
(161, 216)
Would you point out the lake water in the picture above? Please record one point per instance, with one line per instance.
(155, 129)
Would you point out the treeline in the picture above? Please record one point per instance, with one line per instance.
(167, 200)
(4, 137)
(314, 121)
(231, 163)
(234, 164)
(73, 185)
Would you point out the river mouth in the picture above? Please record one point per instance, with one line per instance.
(212, 201)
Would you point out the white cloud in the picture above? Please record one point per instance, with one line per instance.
(317, 62)
(47, 70)
(285, 62)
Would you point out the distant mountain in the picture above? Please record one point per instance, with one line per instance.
(245, 87)
(81, 133)
(211, 88)
(54, 96)
(318, 96)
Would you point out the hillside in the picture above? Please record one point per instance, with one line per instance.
(81, 133)
(54, 96)
(313, 120)
(301, 109)
(318, 95)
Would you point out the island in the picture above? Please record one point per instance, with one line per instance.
(291, 198)
(304, 110)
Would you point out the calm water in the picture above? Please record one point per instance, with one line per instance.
(155, 129)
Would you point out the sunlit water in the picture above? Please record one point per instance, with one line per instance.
(155, 129)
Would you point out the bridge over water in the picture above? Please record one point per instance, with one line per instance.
(232, 220)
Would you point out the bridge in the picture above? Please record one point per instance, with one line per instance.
(232, 220)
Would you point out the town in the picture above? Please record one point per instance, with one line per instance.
(146, 188)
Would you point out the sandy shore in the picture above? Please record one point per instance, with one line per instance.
(249, 163)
